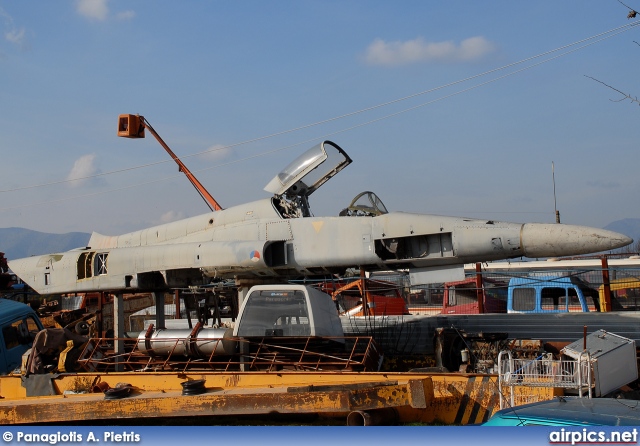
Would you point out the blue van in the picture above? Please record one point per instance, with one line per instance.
(550, 294)
(19, 325)
(570, 411)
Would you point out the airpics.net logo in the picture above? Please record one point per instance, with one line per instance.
(586, 436)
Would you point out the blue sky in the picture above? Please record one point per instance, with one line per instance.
(212, 75)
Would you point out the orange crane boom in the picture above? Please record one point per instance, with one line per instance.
(133, 126)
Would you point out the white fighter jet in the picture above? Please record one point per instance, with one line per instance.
(278, 238)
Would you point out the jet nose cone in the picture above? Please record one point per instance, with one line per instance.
(558, 240)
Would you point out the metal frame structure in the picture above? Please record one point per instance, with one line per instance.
(257, 354)
(543, 372)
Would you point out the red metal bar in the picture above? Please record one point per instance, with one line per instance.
(363, 292)
(479, 288)
(606, 285)
(99, 313)
(176, 297)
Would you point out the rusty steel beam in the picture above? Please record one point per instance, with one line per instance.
(216, 402)
(415, 397)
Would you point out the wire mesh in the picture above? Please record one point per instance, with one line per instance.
(263, 354)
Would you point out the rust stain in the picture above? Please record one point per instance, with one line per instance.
(232, 381)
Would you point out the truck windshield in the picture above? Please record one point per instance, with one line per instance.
(275, 313)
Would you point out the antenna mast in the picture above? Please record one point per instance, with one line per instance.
(555, 207)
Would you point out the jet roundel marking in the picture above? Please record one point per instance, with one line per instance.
(255, 256)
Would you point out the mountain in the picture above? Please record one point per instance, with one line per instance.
(17, 243)
(627, 226)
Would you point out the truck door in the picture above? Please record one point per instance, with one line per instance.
(17, 338)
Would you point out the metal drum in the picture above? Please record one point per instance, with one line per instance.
(207, 342)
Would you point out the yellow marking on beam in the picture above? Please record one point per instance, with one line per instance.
(481, 388)
(317, 225)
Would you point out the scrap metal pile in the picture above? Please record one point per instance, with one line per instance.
(147, 353)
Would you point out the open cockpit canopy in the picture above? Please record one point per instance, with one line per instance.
(309, 171)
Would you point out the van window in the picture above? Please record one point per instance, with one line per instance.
(574, 301)
(553, 299)
(524, 299)
(20, 332)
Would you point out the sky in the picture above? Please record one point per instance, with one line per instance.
(459, 108)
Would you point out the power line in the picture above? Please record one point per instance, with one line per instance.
(594, 39)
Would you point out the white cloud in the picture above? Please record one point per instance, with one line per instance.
(6, 17)
(170, 216)
(126, 15)
(216, 152)
(16, 36)
(93, 9)
(82, 169)
(419, 50)
(99, 10)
